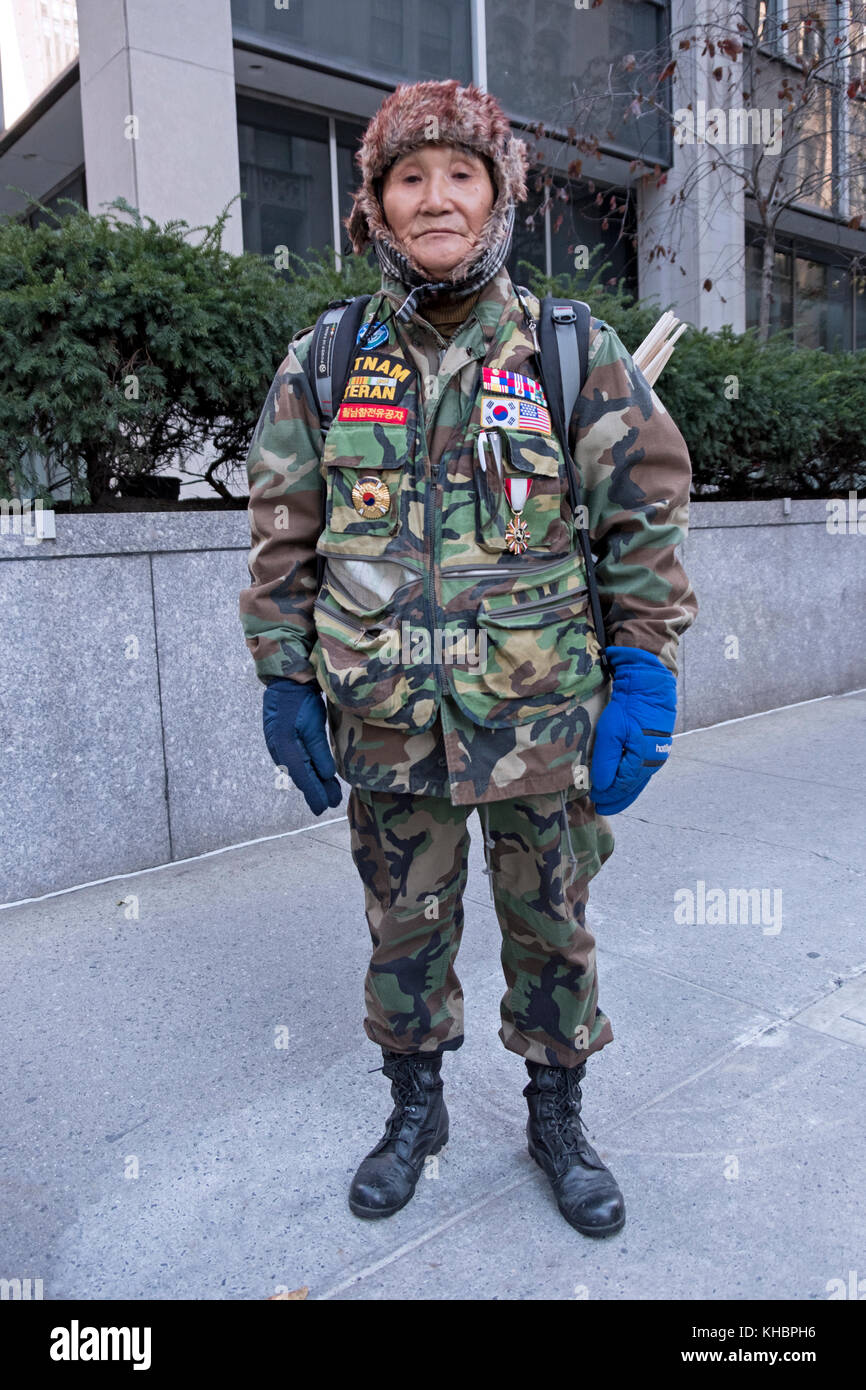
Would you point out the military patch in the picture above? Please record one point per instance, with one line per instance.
(512, 413)
(495, 411)
(512, 384)
(373, 414)
(381, 365)
(534, 417)
(378, 334)
(373, 388)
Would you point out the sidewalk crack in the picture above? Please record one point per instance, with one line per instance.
(748, 839)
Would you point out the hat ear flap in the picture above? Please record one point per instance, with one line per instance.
(356, 226)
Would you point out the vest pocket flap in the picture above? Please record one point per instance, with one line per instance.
(533, 454)
(359, 465)
(366, 662)
(373, 444)
(535, 657)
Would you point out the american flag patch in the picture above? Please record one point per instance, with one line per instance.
(533, 417)
(512, 384)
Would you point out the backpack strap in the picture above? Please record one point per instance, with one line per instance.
(327, 366)
(563, 334)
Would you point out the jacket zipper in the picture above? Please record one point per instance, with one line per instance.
(347, 555)
(432, 484)
(511, 569)
(551, 601)
(347, 622)
(429, 579)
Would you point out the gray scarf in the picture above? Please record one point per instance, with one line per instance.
(397, 266)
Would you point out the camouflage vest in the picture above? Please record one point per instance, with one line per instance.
(426, 591)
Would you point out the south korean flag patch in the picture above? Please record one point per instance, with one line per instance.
(501, 411)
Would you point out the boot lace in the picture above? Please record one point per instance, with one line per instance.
(408, 1087)
(565, 1115)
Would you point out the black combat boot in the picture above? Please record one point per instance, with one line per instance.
(586, 1191)
(416, 1127)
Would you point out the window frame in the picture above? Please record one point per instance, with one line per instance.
(608, 147)
(254, 39)
(801, 248)
(246, 99)
(777, 48)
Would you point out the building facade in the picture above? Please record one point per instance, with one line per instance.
(178, 106)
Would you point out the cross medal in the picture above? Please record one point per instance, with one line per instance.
(517, 531)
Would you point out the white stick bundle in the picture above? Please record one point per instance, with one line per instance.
(657, 346)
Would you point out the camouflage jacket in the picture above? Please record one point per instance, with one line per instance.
(453, 666)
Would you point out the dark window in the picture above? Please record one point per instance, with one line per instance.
(348, 176)
(822, 296)
(548, 62)
(811, 292)
(782, 291)
(73, 188)
(860, 312)
(285, 175)
(527, 244)
(576, 222)
(392, 39)
(579, 222)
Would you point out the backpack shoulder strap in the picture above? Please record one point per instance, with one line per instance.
(563, 335)
(327, 365)
(564, 340)
(334, 338)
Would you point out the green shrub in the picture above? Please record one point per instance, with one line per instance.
(96, 309)
(126, 349)
(759, 421)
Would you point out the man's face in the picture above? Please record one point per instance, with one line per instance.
(436, 201)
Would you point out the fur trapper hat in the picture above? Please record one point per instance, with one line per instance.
(438, 113)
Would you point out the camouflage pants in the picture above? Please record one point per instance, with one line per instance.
(412, 854)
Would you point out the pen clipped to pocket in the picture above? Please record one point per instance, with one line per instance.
(489, 490)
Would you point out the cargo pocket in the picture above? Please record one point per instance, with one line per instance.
(536, 653)
(366, 465)
(536, 460)
(358, 659)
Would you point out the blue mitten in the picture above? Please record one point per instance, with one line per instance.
(294, 721)
(633, 737)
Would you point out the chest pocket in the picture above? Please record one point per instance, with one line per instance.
(532, 463)
(367, 466)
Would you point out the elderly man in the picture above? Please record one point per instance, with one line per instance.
(451, 632)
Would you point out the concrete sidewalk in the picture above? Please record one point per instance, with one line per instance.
(730, 1106)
